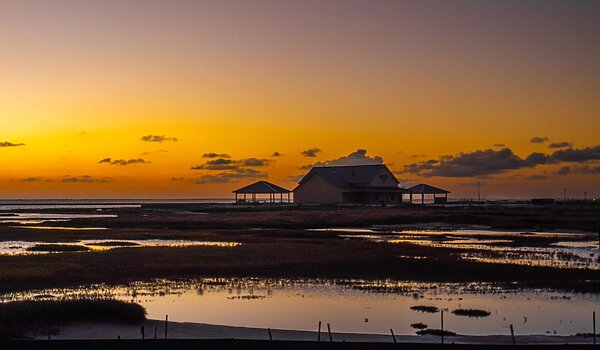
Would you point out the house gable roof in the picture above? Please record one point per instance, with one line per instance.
(349, 175)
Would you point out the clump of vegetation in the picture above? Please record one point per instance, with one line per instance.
(471, 312)
(423, 308)
(419, 325)
(18, 318)
(58, 248)
(437, 332)
(114, 244)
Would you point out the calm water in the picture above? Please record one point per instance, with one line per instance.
(290, 304)
(572, 250)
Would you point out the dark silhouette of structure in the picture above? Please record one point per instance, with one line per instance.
(262, 187)
(424, 189)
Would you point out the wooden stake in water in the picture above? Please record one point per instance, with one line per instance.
(329, 331)
(393, 336)
(442, 326)
(594, 326)
(166, 325)
(512, 335)
(319, 332)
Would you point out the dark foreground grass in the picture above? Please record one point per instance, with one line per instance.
(55, 248)
(279, 258)
(17, 318)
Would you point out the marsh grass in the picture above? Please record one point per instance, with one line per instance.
(423, 308)
(58, 248)
(471, 312)
(18, 318)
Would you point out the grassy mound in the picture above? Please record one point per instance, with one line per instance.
(471, 312)
(419, 325)
(437, 332)
(114, 244)
(423, 308)
(58, 248)
(17, 318)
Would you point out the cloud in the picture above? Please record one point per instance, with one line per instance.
(231, 164)
(577, 154)
(563, 144)
(539, 139)
(158, 138)
(588, 170)
(276, 154)
(358, 157)
(477, 163)
(229, 177)
(123, 162)
(565, 170)
(311, 152)
(34, 179)
(215, 155)
(10, 144)
(499, 145)
(87, 179)
(537, 177)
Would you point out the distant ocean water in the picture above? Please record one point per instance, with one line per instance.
(34, 204)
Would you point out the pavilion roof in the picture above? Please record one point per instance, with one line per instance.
(262, 187)
(427, 189)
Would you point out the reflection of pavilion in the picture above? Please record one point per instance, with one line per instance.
(424, 189)
(262, 187)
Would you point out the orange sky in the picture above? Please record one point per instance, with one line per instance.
(409, 81)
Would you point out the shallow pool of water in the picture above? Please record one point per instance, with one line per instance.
(349, 306)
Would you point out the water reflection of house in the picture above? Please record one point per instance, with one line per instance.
(356, 184)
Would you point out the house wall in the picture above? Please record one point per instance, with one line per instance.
(316, 190)
(391, 179)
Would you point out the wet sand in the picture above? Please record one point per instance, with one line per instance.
(179, 330)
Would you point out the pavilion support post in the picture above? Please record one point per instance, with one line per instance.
(288, 197)
(236, 200)
(422, 198)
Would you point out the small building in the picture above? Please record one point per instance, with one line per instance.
(440, 196)
(262, 188)
(354, 184)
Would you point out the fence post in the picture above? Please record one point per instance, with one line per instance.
(594, 326)
(442, 326)
(393, 336)
(270, 335)
(166, 325)
(155, 331)
(512, 335)
(329, 331)
(319, 332)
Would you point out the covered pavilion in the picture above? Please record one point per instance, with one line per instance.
(262, 187)
(424, 189)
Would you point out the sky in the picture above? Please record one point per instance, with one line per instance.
(192, 99)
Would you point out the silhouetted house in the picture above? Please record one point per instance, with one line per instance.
(358, 184)
(262, 187)
(440, 196)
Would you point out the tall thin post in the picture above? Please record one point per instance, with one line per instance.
(329, 331)
(594, 326)
(393, 335)
(478, 193)
(155, 331)
(166, 325)
(319, 332)
(270, 335)
(442, 316)
(565, 194)
(512, 335)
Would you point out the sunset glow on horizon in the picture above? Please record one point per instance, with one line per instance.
(192, 99)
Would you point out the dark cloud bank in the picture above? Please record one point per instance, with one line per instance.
(158, 138)
(490, 161)
(10, 144)
(124, 162)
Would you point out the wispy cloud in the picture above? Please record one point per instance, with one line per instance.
(123, 162)
(86, 179)
(563, 144)
(215, 155)
(10, 144)
(231, 164)
(358, 157)
(229, 177)
(539, 139)
(158, 138)
(311, 152)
